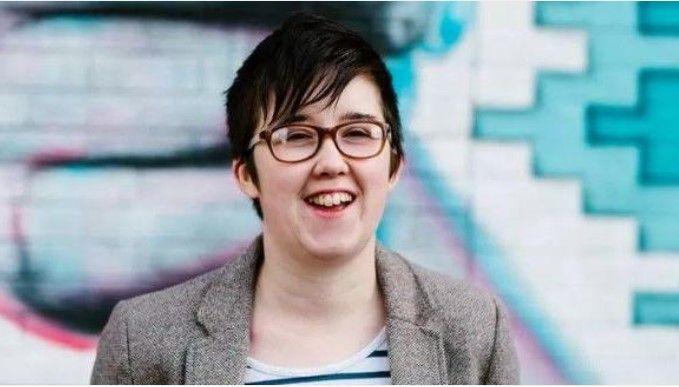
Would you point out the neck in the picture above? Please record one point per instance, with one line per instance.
(321, 290)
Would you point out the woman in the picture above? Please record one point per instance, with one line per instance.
(316, 136)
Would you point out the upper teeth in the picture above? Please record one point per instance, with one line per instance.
(332, 199)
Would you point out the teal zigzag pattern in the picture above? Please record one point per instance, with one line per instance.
(614, 126)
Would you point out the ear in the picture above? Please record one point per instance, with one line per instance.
(243, 178)
(396, 176)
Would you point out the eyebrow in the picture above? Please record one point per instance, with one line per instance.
(296, 118)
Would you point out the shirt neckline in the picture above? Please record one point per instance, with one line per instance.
(324, 369)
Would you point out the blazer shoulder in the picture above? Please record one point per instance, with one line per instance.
(454, 298)
(158, 329)
(155, 330)
(174, 299)
(187, 295)
(476, 323)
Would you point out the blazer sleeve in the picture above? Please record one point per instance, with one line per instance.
(504, 366)
(112, 364)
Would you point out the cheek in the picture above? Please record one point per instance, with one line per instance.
(279, 184)
(376, 181)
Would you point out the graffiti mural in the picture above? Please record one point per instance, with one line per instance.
(541, 139)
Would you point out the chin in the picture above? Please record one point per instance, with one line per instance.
(331, 246)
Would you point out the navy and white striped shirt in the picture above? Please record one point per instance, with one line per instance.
(368, 366)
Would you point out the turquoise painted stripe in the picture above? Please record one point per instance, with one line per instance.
(656, 308)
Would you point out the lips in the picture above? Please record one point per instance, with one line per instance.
(330, 199)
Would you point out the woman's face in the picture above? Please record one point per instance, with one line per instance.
(285, 190)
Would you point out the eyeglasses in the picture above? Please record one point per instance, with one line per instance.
(294, 143)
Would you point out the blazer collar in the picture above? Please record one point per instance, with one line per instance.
(416, 354)
(414, 333)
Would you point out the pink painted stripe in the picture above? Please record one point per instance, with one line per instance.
(48, 157)
(28, 321)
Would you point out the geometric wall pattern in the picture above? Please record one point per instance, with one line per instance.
(542, 146)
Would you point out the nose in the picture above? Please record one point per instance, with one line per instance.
(329, 160)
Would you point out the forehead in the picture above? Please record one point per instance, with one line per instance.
(361, 96)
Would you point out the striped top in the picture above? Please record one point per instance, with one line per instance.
(368, 366)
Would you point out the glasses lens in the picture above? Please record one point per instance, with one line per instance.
(293, 143)
(362, 139)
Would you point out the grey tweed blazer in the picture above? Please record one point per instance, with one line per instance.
(440, 330)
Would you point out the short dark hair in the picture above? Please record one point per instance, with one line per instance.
(307, 59)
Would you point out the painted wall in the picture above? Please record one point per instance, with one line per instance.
(543, 164)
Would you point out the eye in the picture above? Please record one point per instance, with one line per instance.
(357, 131)
(293, 136)
(361, 132)
(298, 135)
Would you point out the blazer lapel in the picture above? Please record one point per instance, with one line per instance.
(416, 354)
(225, 312)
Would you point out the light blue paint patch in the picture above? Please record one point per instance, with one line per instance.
(453, 19)
(450, 31)
(57, 259)
(613, 127)
(585, 14)
(457, 18)
(402, 74)
(74, 24)
(383, 233)
(652, 308)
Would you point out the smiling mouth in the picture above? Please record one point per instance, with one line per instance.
(334, 201)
